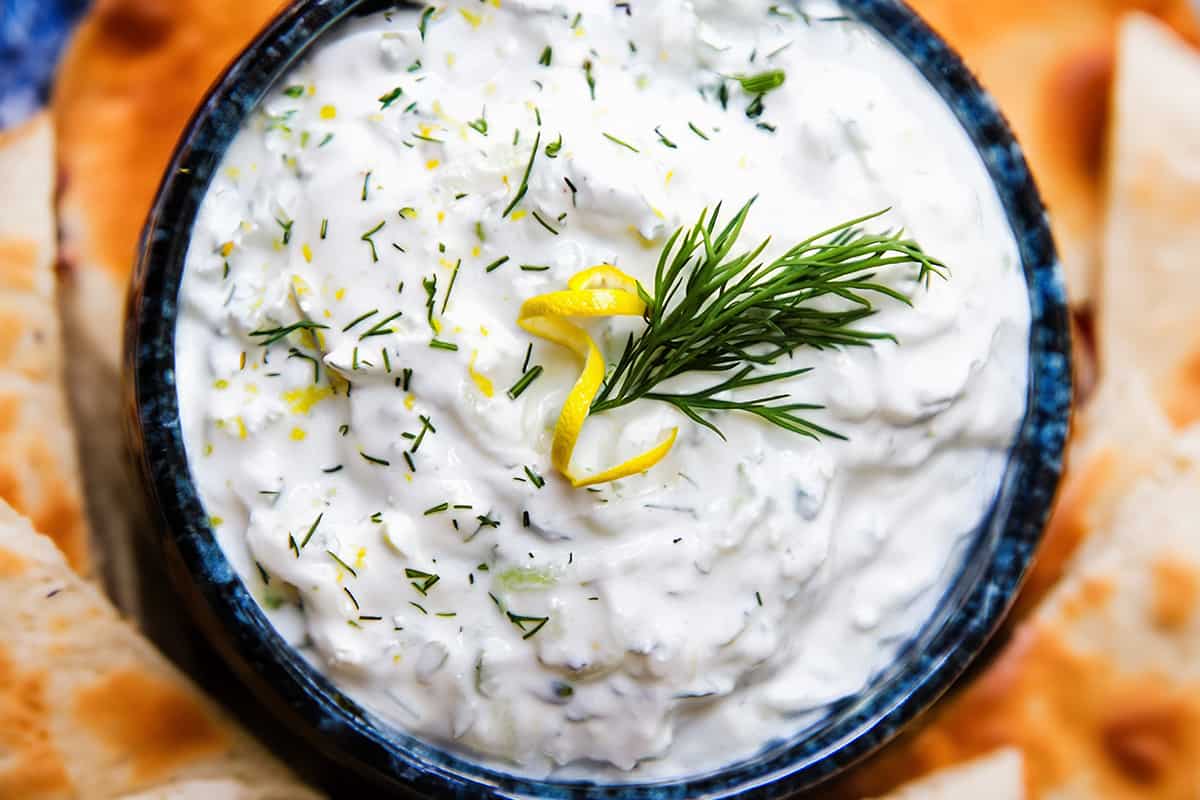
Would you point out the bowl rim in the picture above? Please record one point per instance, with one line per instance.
(965, 618)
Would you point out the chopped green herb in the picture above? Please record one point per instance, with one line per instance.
(523, 382)
(381, 462)
(664, 140)
(450, 288)
(697, 131)
(312, 529)
(341, 563)
(294, 91)
(273, 335)
(543, 223)
(495, 265)
(763, 82)
(524, 187)
(389, 98)
(624, 144)
(546, 57)
(438, 344)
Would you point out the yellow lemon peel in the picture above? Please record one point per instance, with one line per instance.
(601, 291)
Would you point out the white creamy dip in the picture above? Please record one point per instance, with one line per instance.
(670, 622)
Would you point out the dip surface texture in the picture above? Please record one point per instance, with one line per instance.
(394, 509)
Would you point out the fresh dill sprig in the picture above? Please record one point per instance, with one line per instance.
(734, 316)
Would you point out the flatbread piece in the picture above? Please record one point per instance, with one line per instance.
(89, 709)
(39, 469)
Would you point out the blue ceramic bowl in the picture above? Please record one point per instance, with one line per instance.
(970, 611)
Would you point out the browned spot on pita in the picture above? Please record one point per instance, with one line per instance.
(152, 723)
(18, 264)
(11, 564)
(1176, 593)
(1069, 526)
(1144, 734)
(1132, 736)
(1093, 595)
(30, 766)
(10, 410)
(13, 324)
(133, 25)
(1075, 101)
(1181, 395)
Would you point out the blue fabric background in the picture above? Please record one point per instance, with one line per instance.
(32, 34)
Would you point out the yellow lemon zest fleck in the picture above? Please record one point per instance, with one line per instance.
(437, 325)
(233, 172)
(743, 162)
(504, 180)
(396, 658)
(408, 213)
(301, 286)
(426, 130)
(482, 382)
(670, 175)
(489, 88)
(220, 423)
(226, 249)
(437, 109)
(307, 251)
(441, 217)
(408, 477)
(328, 112)
(483, 329)
(601, 291)
(432, 163)
(410, 401)
(312, 89)
(328, 314)
(208, 449)
(340, 294)
(216, 522)
(518, 215)
(299, 434)
(470, 16)
(277, 246)
(647, 244)
(458, 328)
(447, 263)
(579, 31)
(360, 558)
(495, 3)
(251, 388)
(220, 383)
(475, 251)
(302, 400)
(241, 424)
(658, 213)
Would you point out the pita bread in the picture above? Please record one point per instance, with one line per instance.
(129, 81)
(997, 776)
(1049, 64)
(1149, 314)
(89, 709)
(39, 473)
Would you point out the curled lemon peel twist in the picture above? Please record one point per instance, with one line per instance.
(601, 291)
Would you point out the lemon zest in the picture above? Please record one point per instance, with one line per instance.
(601, 291)
(482, 382)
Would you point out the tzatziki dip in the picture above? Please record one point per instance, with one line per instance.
(601, 389)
